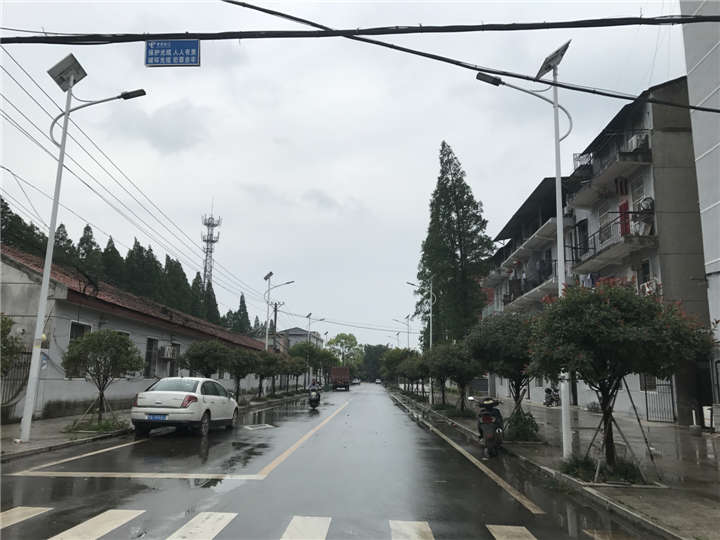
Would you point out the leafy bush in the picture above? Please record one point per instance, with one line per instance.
(593, 406)
(584, 468)
(522, 427)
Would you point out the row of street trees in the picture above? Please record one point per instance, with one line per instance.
(601, 335)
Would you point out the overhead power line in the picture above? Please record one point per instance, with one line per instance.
(104, 39)
(472, 67)
(350, 325)
(225, 271)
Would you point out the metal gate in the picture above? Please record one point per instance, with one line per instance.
(14, 381)
(660, 403)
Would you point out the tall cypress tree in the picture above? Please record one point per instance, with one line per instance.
(89, 254)
(453, 253)
(242, 319)
(65, 252)
(197, 305)
(211, 309)
(176, 292)
(113, 265)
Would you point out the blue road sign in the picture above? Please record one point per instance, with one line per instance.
(174, 52)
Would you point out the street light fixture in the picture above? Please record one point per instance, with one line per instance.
(551, 63)
(407, 323)
(267, 301)
(66, 74)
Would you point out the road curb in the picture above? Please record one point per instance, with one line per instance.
(4, 458)
(577, 486)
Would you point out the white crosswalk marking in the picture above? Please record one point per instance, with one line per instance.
(508, 532)
(204, 526)
(307, 528)
(410, 530)
(20, 513)
(98, 526)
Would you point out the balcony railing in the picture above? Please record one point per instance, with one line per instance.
(519, 287)
(628, 232)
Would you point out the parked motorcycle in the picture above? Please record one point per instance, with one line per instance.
(490, 425)
(552, 397)
(314, 399)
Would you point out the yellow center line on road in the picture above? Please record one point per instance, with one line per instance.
(514, 493)
(287, 453)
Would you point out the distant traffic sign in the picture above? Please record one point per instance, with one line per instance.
(174, 52)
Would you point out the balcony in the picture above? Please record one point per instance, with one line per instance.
(537, 241)
(613, 242)
(602, 168)
(494, 278)
(528, 294)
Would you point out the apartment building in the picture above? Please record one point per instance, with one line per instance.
(630, 212)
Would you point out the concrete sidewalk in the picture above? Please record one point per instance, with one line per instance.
(689, 465)
(47, 434)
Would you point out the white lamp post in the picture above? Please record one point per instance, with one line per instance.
(66, 74)
(267, 278)
(551, 64)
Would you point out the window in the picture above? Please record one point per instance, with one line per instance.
(173, 367)
(208, 389)
(220, 390)
(174, 385)
(603, 212)
(77, 330)
(644, 271)
(539, 382)
(151, 358)
(637, 191)
(648, 383)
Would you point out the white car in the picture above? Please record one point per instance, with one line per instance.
(184, 402)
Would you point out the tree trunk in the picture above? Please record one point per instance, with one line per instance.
(260, 386)
(606, 403)
(442, 390)
(237, 388)
(462, 397)
(101, 405)
(272, 385)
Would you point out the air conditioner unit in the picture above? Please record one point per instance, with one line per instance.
(168, 352)
(637, 142)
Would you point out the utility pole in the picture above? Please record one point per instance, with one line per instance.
(267, 317)
(276, 305)
(210, 239)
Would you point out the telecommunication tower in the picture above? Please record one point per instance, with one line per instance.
(210, 239)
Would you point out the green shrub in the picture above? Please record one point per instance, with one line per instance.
(109, 424)
(584, 468)
(521, 427)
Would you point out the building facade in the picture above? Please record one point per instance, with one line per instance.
(630, 212)
(702, 59)
(77, 307)
(295, 335)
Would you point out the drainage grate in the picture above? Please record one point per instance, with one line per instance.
(253, 427)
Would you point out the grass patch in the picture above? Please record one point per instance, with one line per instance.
(453, 412)
(584, 468)
(107, 425)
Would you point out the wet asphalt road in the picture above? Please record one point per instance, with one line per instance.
(359, 460)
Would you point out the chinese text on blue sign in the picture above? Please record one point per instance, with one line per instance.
(174, 52)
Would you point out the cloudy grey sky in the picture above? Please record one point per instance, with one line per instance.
(320, 155)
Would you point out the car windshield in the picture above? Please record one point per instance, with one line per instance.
(174, 385)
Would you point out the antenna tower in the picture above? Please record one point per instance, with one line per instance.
(210, 239)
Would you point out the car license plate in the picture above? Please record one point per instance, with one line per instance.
(157, 416)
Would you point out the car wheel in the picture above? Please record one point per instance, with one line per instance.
(233, 423)
(204, 427)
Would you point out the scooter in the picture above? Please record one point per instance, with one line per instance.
(314, 399)
(552, 398)
(490, 425)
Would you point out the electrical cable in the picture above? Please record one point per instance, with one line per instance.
(476, 68)
(224, 270)
(106, 39)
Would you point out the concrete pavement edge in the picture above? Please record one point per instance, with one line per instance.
(565, 480)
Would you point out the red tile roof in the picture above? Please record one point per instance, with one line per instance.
(109, 294)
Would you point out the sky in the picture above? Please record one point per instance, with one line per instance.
(320, 155)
